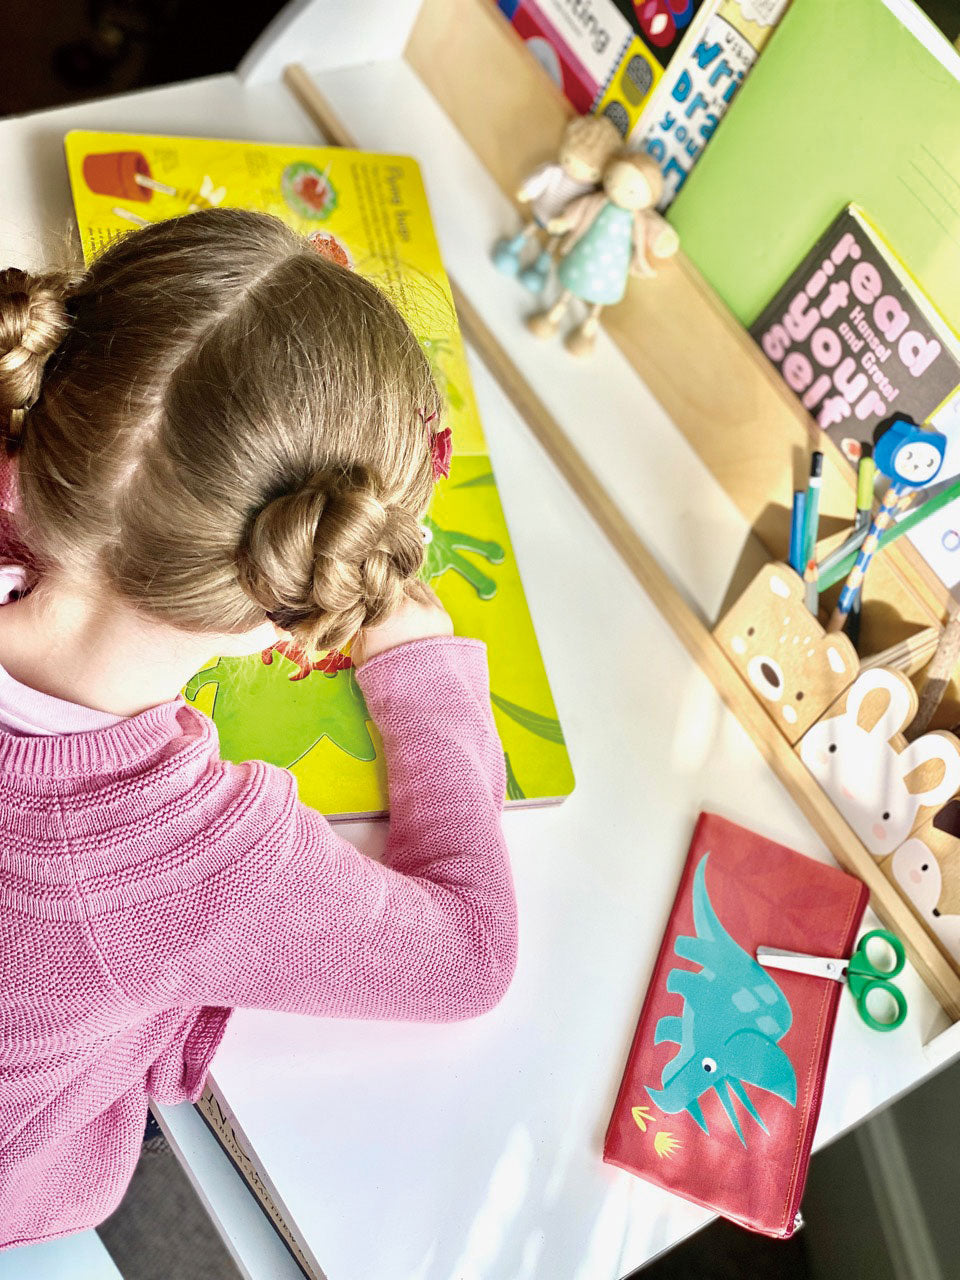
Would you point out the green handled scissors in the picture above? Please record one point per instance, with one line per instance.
(860, 974)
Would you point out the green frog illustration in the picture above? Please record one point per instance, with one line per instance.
(278, 706)
(262, 713)
(443, 547)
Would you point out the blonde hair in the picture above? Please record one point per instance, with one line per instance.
(593, 139)
(223, 426)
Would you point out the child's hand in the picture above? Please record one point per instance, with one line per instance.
(420, 616)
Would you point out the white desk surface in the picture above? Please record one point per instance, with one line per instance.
(80, 1257)
(472, 1151)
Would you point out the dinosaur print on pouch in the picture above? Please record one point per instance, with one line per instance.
(733, 1016)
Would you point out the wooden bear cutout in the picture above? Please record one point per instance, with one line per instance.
(796, 670)
(926, 870)
(884, 788)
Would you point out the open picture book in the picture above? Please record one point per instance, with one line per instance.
(368, 213)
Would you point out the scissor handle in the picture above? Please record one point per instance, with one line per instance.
(860, 967)
(893, 992)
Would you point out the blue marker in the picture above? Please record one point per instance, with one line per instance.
(796, 530)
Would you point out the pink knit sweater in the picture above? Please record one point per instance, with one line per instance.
(147, 888)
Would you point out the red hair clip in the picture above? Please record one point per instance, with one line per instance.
(441, 447)
(441, 452)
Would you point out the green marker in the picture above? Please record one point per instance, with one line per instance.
(866, 472)
(811, 511)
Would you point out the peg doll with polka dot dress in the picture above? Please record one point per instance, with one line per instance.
(610, 234)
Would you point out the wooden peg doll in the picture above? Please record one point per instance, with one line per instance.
(610, 234)
(588, 143)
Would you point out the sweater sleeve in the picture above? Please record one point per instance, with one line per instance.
(429, 934)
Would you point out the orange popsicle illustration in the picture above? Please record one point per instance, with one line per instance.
(122, 173)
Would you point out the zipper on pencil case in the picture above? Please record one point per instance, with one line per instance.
(813, 1107)
(815, 1098)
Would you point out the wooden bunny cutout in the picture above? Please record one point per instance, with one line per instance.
(610, 234)
(588, 143)
(926, 870)
(883, 787)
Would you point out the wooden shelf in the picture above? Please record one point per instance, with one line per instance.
(695, 357)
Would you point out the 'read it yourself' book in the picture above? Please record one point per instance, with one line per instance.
(853, 335)
(368, 213)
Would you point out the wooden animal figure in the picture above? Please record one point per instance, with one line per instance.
(611, 234)
(783, 653)
(588, 143)
(926, 869)
(882, 786)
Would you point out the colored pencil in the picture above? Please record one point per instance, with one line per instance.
(852, 628)
(796, 530)
(909, 656)
(834, 568)
(866, 475)
(895, 498)
(811, 596)
(941, 668)
(845, 555)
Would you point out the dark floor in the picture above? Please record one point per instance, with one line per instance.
(53, 52)
(160, 1231)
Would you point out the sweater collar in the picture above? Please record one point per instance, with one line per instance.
(101, 750)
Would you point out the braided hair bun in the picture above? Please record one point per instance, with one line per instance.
(33, 323)
(330, 557)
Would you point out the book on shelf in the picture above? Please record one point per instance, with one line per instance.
(663, 71)
(715, 56)
(607, 56)
(855, 337)
(368, 212)
(789, 155)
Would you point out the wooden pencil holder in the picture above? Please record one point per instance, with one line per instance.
(795, 668)
(846, 726)
(926, 871)
(883, 786)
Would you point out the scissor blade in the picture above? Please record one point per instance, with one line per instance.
(798, 962)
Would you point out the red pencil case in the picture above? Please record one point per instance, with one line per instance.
(722, 1088)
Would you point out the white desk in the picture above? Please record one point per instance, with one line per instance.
(472, 1151)
(79, 1257)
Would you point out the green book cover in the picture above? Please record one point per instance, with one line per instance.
(367, 212)
(857, 100)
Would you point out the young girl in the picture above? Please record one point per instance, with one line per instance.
(222, 440)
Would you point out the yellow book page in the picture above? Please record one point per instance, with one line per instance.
(365, 210)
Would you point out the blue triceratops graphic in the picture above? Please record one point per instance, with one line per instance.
(733, 1016)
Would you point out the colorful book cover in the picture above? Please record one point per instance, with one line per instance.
(855, 338)
(712, 62)
(368, 212)
(607, 56)
(853, 101)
